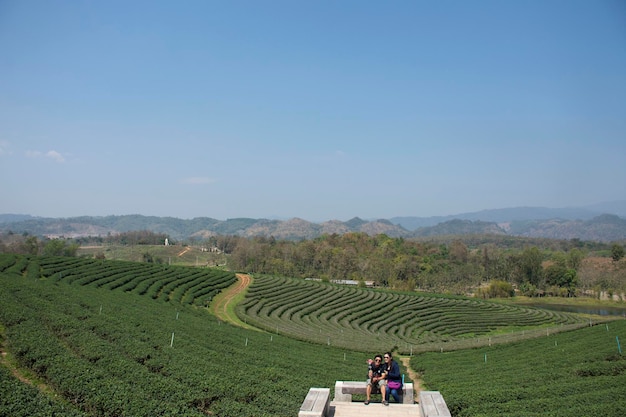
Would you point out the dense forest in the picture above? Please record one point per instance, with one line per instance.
(483, 265)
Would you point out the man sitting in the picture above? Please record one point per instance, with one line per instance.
(376, 379)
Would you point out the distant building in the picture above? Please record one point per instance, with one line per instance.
(351, 282)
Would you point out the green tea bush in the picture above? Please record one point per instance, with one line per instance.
(18, 399)
(570, 374)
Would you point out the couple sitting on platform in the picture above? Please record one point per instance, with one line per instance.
(384, 378)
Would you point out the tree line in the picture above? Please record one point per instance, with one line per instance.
(489, 266)
(25, 244)
(559, 268)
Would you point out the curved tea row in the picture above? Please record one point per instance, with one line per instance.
(350, 317)
(195, 286)
(367, 319)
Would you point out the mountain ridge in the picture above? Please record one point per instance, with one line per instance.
(584, 223)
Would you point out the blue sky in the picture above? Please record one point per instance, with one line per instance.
(313, 109)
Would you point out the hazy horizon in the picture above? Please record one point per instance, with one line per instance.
(619, 209)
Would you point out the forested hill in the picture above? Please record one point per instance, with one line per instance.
(603, 228)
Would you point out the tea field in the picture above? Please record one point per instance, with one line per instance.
(572, 374)
(169, 283)
(366, 319)
(85, 337)
(106, 349)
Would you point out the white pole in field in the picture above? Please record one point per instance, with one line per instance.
(485, 358)
(246, 341)
(344, 356)
(177, 315)
(172, 342)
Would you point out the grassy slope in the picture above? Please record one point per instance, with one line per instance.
(172, 255)
(570, 301)
(224, 303)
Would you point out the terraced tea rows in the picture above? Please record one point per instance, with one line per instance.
(348, 317)
(195, 286)
(364, 319)
(575, 374)
(103, 352)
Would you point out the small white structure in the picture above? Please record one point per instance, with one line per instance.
(167, 242)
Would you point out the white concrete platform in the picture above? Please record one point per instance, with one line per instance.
(374, 409)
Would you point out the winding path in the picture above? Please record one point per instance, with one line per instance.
(223, 305)
(415, 378)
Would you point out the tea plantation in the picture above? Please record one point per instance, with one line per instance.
(579, 373)
(107, 352)
(362, 319)
(83, 337)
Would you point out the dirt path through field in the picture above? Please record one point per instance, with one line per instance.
(184, 251)
(417, 386)
(20, 374)
(223, 305)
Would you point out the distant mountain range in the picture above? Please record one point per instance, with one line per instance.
(602, 222)
(505, 215)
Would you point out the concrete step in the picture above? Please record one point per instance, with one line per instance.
(374, 409)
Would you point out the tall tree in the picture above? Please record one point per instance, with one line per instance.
(458, 251)
(575, 258)
(530, 265)
(617, 252)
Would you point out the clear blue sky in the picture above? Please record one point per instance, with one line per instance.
(313, 109)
